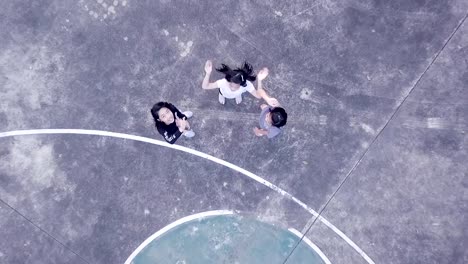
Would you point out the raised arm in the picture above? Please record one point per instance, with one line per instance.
(176, 111)
(206, 80)
(261, 92)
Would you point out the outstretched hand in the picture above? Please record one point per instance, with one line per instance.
(208, 66)
(180, 123)
(262, 74)
(258, 132)
(272, 102)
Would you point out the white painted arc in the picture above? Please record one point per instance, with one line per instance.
(202, 215)
(311, 244)
(172, 225)
(199, 154)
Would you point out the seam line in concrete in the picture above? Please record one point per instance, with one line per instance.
(311, 245)
(201, 155)
(43, 231)
(380, 132)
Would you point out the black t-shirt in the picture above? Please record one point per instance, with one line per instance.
(170, 132)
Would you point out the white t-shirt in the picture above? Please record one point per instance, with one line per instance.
(226, 91)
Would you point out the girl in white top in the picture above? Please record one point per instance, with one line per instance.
(235, 83)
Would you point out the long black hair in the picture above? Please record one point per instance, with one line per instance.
(238, 75)
(155, 110)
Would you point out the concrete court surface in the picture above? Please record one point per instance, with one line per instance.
(377, 97)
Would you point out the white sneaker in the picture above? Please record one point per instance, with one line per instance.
(239, 99)
(221, 99)
(189, 133)
(188, 114)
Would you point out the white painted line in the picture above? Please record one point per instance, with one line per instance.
(199, 154)
(172, 225)
(311, 244)
(347, 239)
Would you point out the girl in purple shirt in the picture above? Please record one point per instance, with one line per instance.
(271, 118)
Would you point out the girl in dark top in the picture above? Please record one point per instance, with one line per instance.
(170, 122)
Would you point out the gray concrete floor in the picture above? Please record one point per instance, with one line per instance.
(377, 96)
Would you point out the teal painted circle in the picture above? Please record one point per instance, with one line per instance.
(226, 239)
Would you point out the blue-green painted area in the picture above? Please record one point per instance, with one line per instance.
(226, 239)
